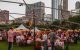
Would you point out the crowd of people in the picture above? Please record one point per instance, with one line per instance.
(46, 39)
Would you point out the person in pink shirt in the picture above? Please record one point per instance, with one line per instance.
(10, 38)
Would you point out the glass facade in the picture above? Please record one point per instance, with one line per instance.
(58, 6)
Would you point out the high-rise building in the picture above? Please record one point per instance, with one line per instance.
(39, 10)
(55, 9)
(4, 16)
(77, 5)
(60, 7)
(65, 14)
(76, 11)
(65, 5)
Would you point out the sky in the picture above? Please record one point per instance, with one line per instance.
(15, 8)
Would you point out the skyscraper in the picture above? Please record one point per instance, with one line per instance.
(58, 6)
(4, 16)
(65, 5)
(38, 10)
(55, 9)
(64, 12)
(77, 5)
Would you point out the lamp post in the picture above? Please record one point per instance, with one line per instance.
(34, 27)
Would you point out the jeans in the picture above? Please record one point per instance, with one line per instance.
(10, 44)
(52, 46)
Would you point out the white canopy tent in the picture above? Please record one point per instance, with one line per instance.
(21, 27)
(36, 29)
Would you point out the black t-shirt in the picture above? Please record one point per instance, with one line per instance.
(29, 33)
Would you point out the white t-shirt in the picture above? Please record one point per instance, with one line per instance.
(44, 36)
(18, 39)
(22, 37)
(29, 41)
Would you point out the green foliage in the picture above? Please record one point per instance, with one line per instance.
(75, 19)
(6, 27)
(56, 22)
(55, 25)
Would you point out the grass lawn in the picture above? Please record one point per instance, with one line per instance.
(75, 47)
(4, 46)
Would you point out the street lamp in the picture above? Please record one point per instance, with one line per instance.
(34, 27)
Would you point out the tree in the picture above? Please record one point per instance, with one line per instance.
(75, 19)
(56, 22)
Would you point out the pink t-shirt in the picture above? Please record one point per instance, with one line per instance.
(10, 35)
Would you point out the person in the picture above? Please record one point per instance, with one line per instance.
(0, 37)
(10, 38)
(59, 44)
(75, 36)
(22, 39)
(29, 40)
(52, 38)
(3, 32)
(18, 39)
(38, 43)
(45, 37)
(67, 41)
(49, 44)
(29, 33)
